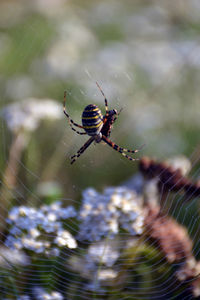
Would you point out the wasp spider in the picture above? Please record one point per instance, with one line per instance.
(97, 126)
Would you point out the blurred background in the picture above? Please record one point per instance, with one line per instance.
(144, 54)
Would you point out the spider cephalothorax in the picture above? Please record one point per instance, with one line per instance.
(97, 126)
(109, 119)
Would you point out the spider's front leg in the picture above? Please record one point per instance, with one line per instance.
(106, 101)
(81, 150)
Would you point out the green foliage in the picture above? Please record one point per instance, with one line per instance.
(28, 40)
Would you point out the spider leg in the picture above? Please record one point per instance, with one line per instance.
(79, 132)
(106, 101)
(119, 149)
(133, 151)
(120, 111)
(81, 150)
(117, 115)
(65, 112)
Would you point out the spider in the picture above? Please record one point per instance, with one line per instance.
(97, 126)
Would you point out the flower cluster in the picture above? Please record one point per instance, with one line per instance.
(105, 214)
(97, 265)
(41, 294)
(40, 230)
(105, 252)
(28, 113)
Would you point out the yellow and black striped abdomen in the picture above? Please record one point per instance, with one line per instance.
(92, 119)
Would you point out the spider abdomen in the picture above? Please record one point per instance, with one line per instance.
(92, 119)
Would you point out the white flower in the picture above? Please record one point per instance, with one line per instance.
(14, 257)
(40, 294)
(28, 113)
(103, 252)
(64, 238)
(34, 232)
(107, 274)
(51, 217)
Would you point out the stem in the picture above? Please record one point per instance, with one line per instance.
(10, 175)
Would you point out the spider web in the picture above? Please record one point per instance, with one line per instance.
(90, 244)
